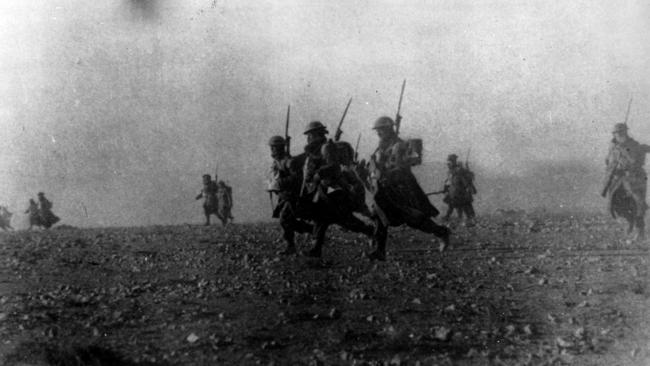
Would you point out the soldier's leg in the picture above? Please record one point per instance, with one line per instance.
(450, 211)
(379, 240)
(420, 221)
(352, 223)
(320, 228)
(469, 214)
(639, 222)
(290, 225)
(206, 213)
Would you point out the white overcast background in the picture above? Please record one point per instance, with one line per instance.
(116, 108)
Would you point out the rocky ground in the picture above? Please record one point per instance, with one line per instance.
(514, 290)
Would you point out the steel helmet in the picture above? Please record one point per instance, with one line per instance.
(383, 122)
(620, 127)
(276, 140)
(315, 126)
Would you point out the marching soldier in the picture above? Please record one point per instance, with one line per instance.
(34, 215)
(321, 194)
(398, 198)
(286, 180)
(48, 218)
(459, 190)
(209, 195)
(626, 184)
(5, 218)
(224, 202)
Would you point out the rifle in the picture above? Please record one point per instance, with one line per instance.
(467, 158)
(339, 132)
(398, 118)
(610, 176)
(436, 192)
(287, 138)
(356, 149)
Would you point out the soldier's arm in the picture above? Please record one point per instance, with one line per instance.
(292, 174)
(200, 195)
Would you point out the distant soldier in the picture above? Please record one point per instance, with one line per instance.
(626, 183)
(459, 190)
(224, 202)
(33, 214)
(209, 195)
(5, 218)
(48, 218)
(285, 182)
(321, 196)
(398, 197)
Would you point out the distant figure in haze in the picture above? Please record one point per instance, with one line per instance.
(459, 190)
(47, 217)
(209, 195)
(626, 180)
(224, 202)
(5, 218)
(34, 214)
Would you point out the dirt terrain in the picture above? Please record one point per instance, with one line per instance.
(514, 290)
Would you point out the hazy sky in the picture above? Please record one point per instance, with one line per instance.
(121, 106)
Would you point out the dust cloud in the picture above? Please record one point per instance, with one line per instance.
(116, 109)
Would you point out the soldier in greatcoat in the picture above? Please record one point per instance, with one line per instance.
(285, 182)
(324, 197)
(209, 195)
(398, 197)
(459, 190)
(626, 180)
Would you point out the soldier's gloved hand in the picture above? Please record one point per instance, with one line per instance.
(398, 118)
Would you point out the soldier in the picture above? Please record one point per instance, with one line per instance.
(286, 180)
(5, 218)
(321, 196)
(48, 218)
(209, 195)
(459, 190)
(626, 187)
(224, 201)
(34, 215)
(398, 198)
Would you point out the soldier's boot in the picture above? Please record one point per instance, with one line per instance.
(379, 240)
(207, 220)
(630, 225)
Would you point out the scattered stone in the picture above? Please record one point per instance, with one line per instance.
(563, 343)
(192, 338)
(442, 333)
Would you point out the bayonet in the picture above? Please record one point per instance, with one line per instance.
(339, 132)
(356, 149)
(398, 118)
(287, 138)
(627, 114)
